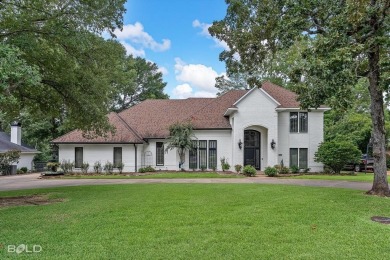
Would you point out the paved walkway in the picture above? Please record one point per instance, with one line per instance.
(31, 181)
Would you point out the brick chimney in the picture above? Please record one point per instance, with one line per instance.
(16, 133)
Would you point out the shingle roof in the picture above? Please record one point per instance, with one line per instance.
(6, 145)
(285, 97)
(152, 118)
(123, 134)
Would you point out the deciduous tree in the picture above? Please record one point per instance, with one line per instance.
(330, 45)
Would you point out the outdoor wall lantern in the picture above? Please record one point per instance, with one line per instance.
(273, 144)
(240, 144)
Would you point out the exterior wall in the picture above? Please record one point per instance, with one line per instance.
(25, 160)
(224, 146)
(309, 140)
(256, 111)
(103, 153)
(171, 159)
(146, 153)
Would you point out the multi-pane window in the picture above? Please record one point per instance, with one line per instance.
(199, 155)
(298, 122)
(202, 154)
(193, 162)
(78, 158)
(159, 153)
(298, 157)
(117, 156)
(212, 154)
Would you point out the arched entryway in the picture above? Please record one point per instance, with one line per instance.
(252, 148)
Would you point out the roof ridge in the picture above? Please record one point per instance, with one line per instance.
(128, 126)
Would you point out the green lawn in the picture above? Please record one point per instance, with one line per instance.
(163, 175)
(363, 177)
(198, 221)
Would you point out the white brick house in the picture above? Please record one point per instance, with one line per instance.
(259, 127)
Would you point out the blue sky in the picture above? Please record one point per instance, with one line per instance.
(173, 34)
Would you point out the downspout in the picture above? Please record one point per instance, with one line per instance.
(135, 148)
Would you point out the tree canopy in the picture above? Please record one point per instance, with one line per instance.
(328, 46)
(59, 41)
(137, 81)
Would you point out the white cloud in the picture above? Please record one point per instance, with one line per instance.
(182, 91)
(198, 80)
(133, 51)
(198, 75)
(205, 32)
(163, 70)
(134, 34)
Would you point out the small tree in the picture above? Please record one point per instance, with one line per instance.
(7, 159)
(336, 154)
(180, 137)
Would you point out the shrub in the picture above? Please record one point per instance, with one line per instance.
(7, 159)
(203, 168)
(108, 167)
(97, 167)
(238, 168)
(24, 169)
(214, 168)
(120, 167)
(282, 169)
(52, 166)
(336, 154)
(19, 171)
(84, 168)
(249, 170)
(294, 169)
(271, 171)
(224, 163)
(67, 166)
(146, 169)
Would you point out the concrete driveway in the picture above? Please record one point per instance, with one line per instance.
(32, 181)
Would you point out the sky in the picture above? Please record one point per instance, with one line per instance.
(173, 34)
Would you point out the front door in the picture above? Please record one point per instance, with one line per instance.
(252, 148)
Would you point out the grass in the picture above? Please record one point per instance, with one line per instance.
(163, 175)
(198, 221)
(360, 177)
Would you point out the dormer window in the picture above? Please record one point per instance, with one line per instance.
(298, 122)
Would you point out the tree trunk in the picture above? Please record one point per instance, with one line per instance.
(380, 185)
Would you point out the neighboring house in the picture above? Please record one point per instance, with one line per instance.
(14, 142)
(260, 127)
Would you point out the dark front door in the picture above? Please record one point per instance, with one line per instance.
(252, 148)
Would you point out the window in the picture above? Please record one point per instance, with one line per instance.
(117, 156)
(298, 157)
(212, 154)
(160, 153)
(303, 122)
(193, 162)
(203, 154)
(303, 158)
(78, 158)
(298, 122)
